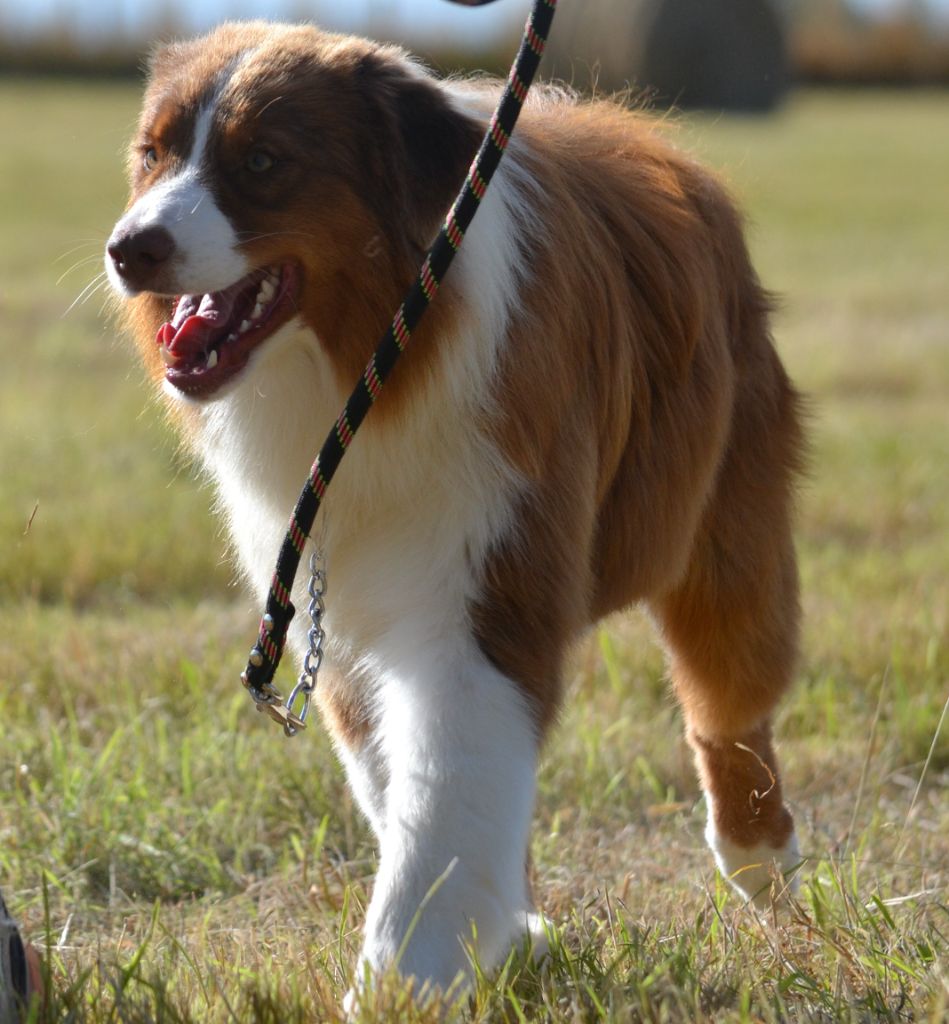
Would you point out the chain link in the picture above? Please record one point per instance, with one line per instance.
(313, 658)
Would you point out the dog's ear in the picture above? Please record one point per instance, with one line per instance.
(428, 148)
(440, 143)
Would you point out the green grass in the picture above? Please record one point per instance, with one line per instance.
(179, 861)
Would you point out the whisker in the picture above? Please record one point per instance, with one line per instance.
(85, 261)
(98, 287)
(91, 288)
(97, 242)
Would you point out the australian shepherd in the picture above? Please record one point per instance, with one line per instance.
(592, 415)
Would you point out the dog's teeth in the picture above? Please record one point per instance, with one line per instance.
(267, 289)
(244, 326)
(212, 359)
(167, 356)
(257, 310)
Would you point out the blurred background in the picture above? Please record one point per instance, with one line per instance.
(131, 765)
(732, 54)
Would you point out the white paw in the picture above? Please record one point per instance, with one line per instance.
(538, 931)
(754, 871)
(351, 1003)
(376, 996)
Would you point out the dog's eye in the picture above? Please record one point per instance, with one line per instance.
(150, 159)
(258, 161)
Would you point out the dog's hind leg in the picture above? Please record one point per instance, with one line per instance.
(731, 631)
(730, 661)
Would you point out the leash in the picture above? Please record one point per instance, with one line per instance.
(264, 658)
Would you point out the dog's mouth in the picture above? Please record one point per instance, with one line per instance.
(210, 337)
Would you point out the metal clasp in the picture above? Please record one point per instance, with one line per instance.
(282, 715)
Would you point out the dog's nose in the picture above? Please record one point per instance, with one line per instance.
(138, 254)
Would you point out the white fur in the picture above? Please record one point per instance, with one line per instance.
(206, 256)
(752, 871)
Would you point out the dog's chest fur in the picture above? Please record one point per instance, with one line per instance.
(416, 502)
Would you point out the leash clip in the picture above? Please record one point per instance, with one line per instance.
(282, 715)
(268, 700)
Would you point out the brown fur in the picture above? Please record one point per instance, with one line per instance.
(345, 713)
(741, 778)
(661, 438)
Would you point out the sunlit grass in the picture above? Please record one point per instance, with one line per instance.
(180, 861)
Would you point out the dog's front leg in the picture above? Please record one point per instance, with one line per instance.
(460, 747)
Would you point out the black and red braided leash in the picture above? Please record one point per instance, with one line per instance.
(272, 635)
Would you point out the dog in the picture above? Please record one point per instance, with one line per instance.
(592, 415)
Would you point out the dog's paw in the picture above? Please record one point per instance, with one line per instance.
(761, 874)
(351, 1003)
(384, 997)
(537, 936)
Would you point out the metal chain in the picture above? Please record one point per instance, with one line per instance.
(268, 699)
(313, 659)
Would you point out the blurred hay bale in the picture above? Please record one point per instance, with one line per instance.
(722, 54)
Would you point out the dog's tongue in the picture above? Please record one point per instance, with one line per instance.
(197, 320)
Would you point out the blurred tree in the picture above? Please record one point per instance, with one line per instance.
(725, 54)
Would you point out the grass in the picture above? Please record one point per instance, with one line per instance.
(180, 862)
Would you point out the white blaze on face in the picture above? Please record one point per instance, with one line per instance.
(206, 257)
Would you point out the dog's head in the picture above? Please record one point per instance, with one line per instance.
(279, 174)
